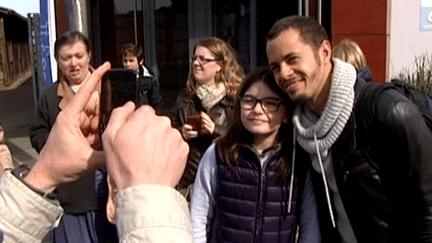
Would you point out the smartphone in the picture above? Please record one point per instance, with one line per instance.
(119, 86)
(195, 122)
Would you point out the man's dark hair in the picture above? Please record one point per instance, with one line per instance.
(69, 38)
(310, 31)
(134, 50)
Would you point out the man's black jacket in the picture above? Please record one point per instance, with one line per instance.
(383, 168)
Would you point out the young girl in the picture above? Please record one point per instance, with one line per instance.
(248, 188)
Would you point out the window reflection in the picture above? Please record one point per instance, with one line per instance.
(172, 43)
(231, 22)
(128, 25)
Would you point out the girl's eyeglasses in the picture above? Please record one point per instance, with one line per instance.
(267, 104)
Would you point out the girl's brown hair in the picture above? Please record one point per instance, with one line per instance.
(231, 73)
(237, 136)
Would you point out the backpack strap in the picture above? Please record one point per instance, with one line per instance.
(367, 92)
(364, 111)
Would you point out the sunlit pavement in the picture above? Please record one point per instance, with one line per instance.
(16, 115)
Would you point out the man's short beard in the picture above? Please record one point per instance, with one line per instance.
(300, 99)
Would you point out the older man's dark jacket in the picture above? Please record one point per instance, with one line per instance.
(383, 168)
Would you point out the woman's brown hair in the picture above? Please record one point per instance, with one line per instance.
(231, 73)
(228, 146)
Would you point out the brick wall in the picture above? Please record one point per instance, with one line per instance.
(367, 23)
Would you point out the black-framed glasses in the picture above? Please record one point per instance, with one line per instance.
(202, 60)
(267, 104)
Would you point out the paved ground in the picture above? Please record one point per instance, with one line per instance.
(16, 115)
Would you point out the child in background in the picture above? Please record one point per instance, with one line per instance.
(249, 187)
(349, 51)
(133, 58)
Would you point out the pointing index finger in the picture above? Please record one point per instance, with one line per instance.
(85, 92)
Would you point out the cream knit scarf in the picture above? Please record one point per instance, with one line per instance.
(210, 97)
(319, 133)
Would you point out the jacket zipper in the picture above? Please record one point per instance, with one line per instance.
(259, 218)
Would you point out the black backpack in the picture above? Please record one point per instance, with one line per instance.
(419, 98)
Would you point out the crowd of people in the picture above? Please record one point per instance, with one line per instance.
(291, 152)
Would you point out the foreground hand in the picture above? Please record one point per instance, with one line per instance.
(143, 148)
(90, 129)
(67, 153)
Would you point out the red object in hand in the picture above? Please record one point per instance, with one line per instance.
(195, 122)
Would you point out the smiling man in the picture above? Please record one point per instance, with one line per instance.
(372, 157)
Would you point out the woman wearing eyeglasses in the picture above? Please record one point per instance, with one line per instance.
(204, 110)
(249, 187)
